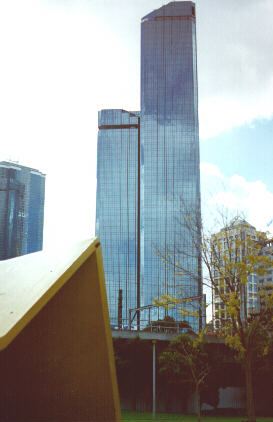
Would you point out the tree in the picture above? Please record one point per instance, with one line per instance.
(185, 360)
(229, 259)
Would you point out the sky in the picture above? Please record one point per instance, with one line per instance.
(63, 60)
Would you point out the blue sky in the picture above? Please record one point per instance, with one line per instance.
(236, 172)
(246, 150)
(62, 61)
(236, 176)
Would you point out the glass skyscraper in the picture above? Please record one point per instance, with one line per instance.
(170, 144)
(117, 213)
(148, 178)
(22, 192)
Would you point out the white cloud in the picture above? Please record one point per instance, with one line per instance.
(63, 61)
(60, 64)
(235, 63)
(235, 194)
(210, 169)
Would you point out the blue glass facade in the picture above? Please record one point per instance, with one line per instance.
(21, 210)
(148, 177)
(170, 151)
(117, 213)
(35, 212)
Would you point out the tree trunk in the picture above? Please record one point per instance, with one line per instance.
(198, 404)
(250, 407)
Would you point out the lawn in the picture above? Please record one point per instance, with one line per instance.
(147, 417)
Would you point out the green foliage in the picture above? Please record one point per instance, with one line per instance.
(169, 302)
(185, 361)
(234, 342)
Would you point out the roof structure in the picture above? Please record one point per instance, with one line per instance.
(172, 9)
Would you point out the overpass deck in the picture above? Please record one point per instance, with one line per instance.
(159, 336)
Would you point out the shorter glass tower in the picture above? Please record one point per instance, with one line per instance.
(117, 213)
(22, 191)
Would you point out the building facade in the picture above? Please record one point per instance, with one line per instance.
(22, 192)
(232, 243)
(170, 145)
(148, 178)
(117, 212)
(266, 280)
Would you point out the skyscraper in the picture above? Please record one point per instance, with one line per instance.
(149, 195)
(21, 210)
(170, 143)
(117, 213)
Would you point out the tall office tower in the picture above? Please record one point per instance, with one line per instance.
(117, 213)
(21, 210)
(170, 144)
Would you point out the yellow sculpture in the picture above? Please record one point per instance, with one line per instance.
(56, 354)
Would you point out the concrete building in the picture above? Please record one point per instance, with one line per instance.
(266, 280)
(230, 245)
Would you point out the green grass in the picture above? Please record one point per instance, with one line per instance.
(147, 417)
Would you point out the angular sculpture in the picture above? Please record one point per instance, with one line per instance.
(56, 355)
